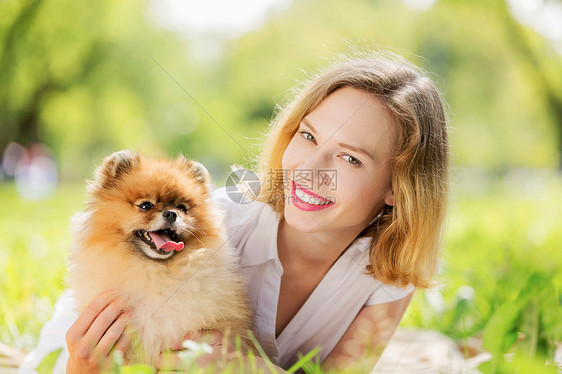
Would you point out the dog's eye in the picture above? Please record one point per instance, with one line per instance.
(183, 208)
(146, 206)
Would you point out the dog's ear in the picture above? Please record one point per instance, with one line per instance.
(115, 166)
(197, 171)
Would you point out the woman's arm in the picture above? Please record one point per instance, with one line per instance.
(361, 345)
(365, 339)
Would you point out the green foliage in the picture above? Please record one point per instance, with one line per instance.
(502, 237)
(535, 313)
(34, 245)
(499, 113)
(306, 362)
(500, 231)
(261, 351)
(88, 80)
(238, 364)
(118, 366)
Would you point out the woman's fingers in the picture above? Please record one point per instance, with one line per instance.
(111, 336)
(170, 360)
(189, 336)
(123, 342)
(103, 320)
(213, 338)
(98, 328)
(87, 317)
(194, 335)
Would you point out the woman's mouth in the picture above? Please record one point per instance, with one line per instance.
(307, 200)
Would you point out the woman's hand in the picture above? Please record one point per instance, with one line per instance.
(97, 330)
(171, 360)
(224, 352)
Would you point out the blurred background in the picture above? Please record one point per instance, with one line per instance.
(79, 80)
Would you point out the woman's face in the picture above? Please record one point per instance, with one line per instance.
(337, 165)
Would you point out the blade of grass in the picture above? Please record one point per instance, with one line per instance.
(262, 352)
(303, 360)
(252, 360)
(239, 353)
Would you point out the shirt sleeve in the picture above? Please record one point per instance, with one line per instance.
(387, 293)
(220, 197)
(52, 337)
(227, 207)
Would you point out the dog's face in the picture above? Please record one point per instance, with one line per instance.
(157, 206)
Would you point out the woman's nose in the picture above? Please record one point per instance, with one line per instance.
(307, 173)
(319, 159)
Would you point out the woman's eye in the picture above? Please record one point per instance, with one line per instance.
(308, 136)
(146, 206)
(352, 160)
(183, 208)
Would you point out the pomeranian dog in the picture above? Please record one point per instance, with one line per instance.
(152, 234)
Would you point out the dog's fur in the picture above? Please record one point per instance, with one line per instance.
(169, 293)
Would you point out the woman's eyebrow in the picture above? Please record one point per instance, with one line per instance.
(305, 122)
(358, 150)
(344, 145)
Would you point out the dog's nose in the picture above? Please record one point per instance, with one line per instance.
(170, 215)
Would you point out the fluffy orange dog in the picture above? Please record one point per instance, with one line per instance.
(151, 233)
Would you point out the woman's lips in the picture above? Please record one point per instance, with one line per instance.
(303, 205)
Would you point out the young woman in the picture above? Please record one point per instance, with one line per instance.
(347, 224)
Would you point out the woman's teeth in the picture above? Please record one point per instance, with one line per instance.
(309, 199)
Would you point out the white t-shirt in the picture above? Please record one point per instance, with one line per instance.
(252, 231)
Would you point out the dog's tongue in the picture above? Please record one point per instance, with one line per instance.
(164, 242)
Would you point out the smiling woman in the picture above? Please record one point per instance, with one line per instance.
(356, 170)
(379, 122)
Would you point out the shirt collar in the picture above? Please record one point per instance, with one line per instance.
(362, 243)
(262, 241)
(359, 250)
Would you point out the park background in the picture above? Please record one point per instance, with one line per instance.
(79, 80)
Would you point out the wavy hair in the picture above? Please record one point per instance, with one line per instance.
(405, 243)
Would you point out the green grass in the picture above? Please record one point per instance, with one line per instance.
(495, 239)
(499, 233)
(35, 240)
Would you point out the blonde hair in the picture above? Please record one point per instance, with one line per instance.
(406, 238)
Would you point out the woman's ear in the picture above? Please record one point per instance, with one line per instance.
(389, 197)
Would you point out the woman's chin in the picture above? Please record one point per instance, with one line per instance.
(308, 222)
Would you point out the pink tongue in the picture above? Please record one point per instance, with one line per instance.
(164, 242)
